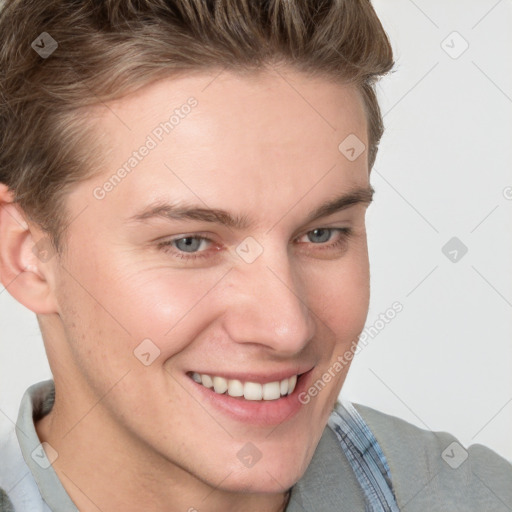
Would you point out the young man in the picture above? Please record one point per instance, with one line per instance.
(183, 187)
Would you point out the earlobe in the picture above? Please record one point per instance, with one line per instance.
(24, 267)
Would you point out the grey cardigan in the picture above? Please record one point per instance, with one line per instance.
(422, 477)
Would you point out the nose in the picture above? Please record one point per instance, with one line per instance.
(268, 304)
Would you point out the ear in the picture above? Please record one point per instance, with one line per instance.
(25, 258)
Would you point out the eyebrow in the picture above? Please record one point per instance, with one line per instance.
(183, 211)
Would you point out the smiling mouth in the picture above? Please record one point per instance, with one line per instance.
(246, 390)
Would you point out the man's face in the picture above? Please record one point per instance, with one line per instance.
(281, 296)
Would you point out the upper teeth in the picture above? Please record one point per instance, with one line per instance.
(249, 390)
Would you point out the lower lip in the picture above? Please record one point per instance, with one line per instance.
(257, 412)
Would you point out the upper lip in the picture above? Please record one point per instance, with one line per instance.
(261, 378)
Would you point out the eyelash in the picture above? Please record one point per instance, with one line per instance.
(166, 246)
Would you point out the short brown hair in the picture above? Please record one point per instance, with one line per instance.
(109, 48)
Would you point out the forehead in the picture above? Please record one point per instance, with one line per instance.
(277, 104)
(229, 137)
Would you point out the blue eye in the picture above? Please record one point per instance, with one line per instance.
(325, 234)
(324, 230)
(185, 250)
(190, 244)
(187, 247)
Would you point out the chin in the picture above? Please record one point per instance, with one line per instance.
(264, 481)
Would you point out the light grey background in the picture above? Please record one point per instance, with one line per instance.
(445, 361)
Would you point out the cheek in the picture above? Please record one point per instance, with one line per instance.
(164, 303)
(342, 295)
(126, 303)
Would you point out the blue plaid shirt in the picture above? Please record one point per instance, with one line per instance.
(365, 456)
